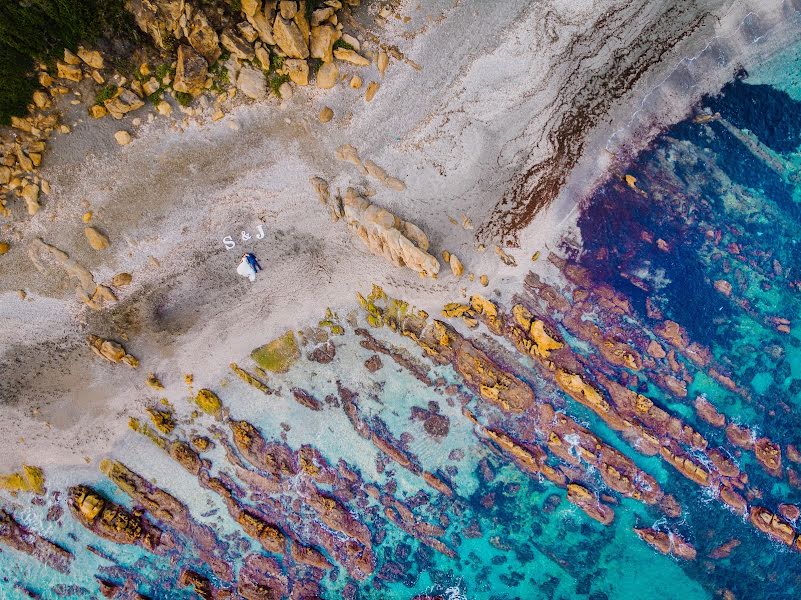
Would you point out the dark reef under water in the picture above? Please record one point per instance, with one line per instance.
(628, 429)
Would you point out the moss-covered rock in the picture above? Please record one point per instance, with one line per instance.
(279, 355)
(208, 402)
(29, 479)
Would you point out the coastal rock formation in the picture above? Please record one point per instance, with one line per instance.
(111, 521)
(667, 543)
(111, 351)
(90, 293)
(400, 242)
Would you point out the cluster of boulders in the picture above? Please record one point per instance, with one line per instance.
(23, 144)
(272, 45)
(402, 243)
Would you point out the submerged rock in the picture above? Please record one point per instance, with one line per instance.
(16, 536)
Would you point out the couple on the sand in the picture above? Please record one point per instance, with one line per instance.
(249, 266)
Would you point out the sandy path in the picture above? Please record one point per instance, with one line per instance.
(494, 83)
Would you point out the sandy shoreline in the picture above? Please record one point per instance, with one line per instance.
(458, 133)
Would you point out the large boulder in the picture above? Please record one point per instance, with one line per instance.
(327, 75)
(289, 38)
(203, 38)
(322, 42)
(252, 83)
(191, 71)
(158, 18)
(386, 235)
(298, 70)
(236, 45)
(279, 355)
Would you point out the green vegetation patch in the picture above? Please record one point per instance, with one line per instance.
(107, 92)
(39, 30)
(276, 62)
(340, 43)
(183, 98)
(276, 81)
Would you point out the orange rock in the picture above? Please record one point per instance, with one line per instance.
(667, 543)
(768, 523)
(267, 534)
(770, 455)
(789, 511)
(437, 483)
(708, 412)
(686, 466)
(655, 349)
(740, 436)
(589, 503)
(724, 465)
(673, 333)
(733, 499)
(581, 391)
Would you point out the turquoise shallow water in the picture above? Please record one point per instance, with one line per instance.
(723, 196)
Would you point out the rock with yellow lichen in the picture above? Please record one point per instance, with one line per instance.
(250, 379)
(268, 535)
(455, 310)
(162, 419)
(29, 479)
(487, 312)
(208, 402)
(201, 443)
(543, 342)
(589, 503)
(481, 373)
(153, 382)
(113, 522)
(278, 355)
